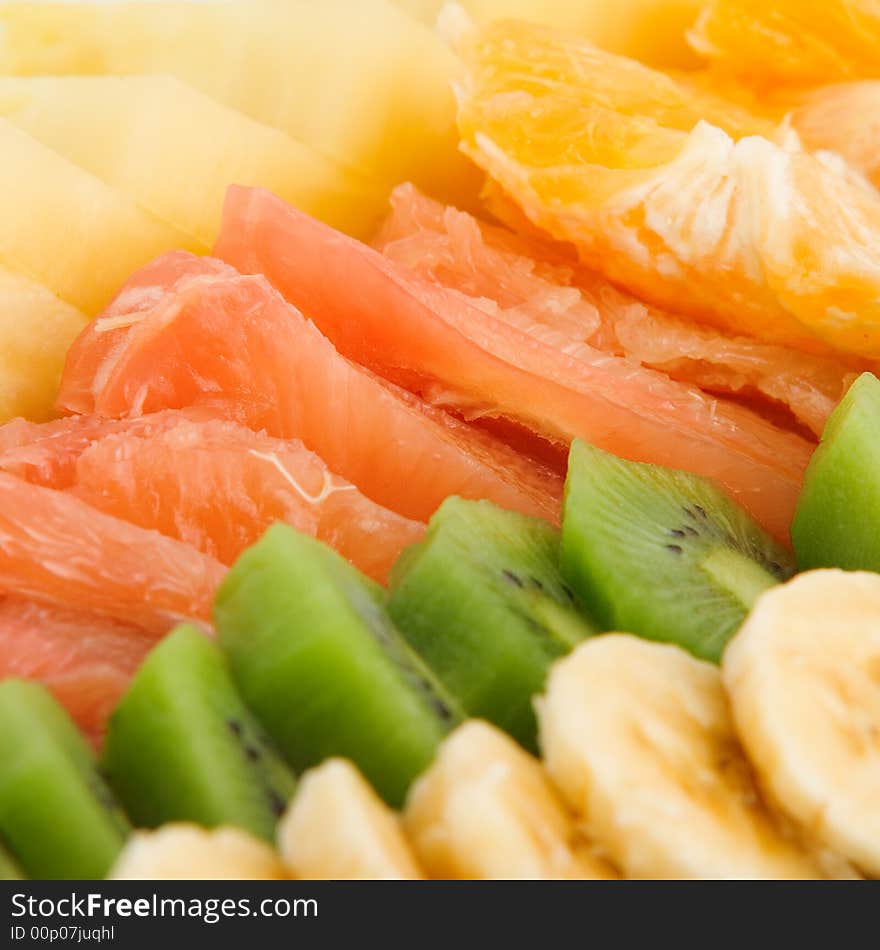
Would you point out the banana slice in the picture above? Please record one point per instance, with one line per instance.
(803, 675)
(485, 810)
(183, 852)
(337, 828)
(639, 738)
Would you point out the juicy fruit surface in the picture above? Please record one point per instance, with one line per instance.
(337, 828)
(118, 129)
(200, 476)
(68, 230)
(540, 288)
(184, 852)
(627, 767)
(292, 610)
(834, 525)
(84, 659)
(57, 549)
(451, 351)
(219, 486)
(360, 82)
(802, 677)
(663, 194)
(483, 602)
(56, 813)
(485, 810)
(803, 42)
(184, 330)
(663, 553)
(36, 329)
(182, 746)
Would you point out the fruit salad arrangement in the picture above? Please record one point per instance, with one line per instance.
(439, 443)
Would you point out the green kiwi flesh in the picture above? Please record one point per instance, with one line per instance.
(10, 870)
(182, 746)
(319, 661)
(661, 553)
(57, 816)
(838, 513)
(483, 601)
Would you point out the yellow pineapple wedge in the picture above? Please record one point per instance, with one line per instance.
(362, 82)
(337, 828)
(485, 810)
(653, 31)
(36, 328)
(69, 231)
(175, 150)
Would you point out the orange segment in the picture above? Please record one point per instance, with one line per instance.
(804, 42)
(756, 237)
(85, 659)
(545, 293)
(210, 333)
(454, 352)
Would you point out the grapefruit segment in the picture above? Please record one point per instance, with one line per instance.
(541, 290)
(199, 476)
(57, 549)
(86, 660)
(759, 238)
(454, 353)
(213, 333)
(219, 486)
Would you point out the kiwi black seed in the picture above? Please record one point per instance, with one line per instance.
(57, 817)
(661, 553)
(182, 746)
(319, 661)
(482, 599)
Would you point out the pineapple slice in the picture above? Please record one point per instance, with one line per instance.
(361, 82)
(653, 31)
(36, 328)
(120, 129)
(337, 828)
(69, 231)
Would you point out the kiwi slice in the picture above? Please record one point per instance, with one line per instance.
(57, 815)
(661, 553)
(182, 746)
(836, 522)
(10, 869)
(321, 664)
(483, 601)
